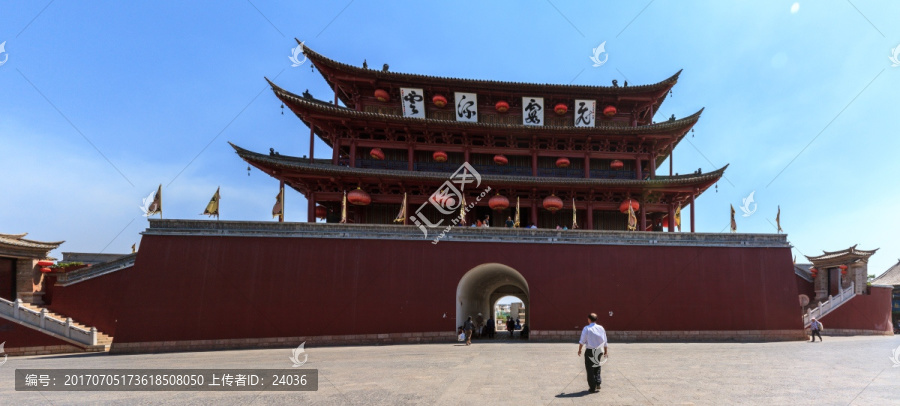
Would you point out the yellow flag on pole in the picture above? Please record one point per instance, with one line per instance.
(402, 215)
(278, 208)
(212, 208)
(778, 219)
(462, 211)
(574, 214)
(678, 217)
(516, 224)
(344, 208)
(632, 219)
(733, 224)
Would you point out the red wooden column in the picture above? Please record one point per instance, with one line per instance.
(587, 167)
(312, 142)
(692, 212)
(466, 155)
(534, 163)
(652, 163)
(643, 216)
(590, 215)
(671, 158)
(637, 162)
(409, 157)
(335, 151)
(353, 154)
(671, 218)
(534, 210)
(311, 209)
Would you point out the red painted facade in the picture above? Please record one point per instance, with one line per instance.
(870, 312)
(208, 287)
(93, 302)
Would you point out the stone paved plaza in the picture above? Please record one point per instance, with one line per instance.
(838, 371)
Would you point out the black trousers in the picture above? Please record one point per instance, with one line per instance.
(593, 371)
(814, 333)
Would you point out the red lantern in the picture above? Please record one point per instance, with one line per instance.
(563, 163)
(843, 272)
(500, 160)
(502, 106)
(561, 108)
(617, 164)
(843, 267)
(498, 202)
(553, 203)
(382, 95)
(634, 205)
(45, 263)
(439, 156)
(609, 111)
(321, 212)
(376, 153)
(439, 100)
(359, 197)
(46, 270)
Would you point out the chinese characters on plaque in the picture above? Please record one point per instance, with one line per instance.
(466, 105)
(413, 102)
(584, 113)
(532, 111)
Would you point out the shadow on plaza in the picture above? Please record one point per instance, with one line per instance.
(574, 394)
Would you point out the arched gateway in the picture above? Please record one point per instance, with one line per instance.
(480, 289)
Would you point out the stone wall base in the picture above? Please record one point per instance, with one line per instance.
(49, 349)
(852, 332)
(446, 337)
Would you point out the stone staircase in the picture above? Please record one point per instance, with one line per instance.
(829, 305)
(55, 325)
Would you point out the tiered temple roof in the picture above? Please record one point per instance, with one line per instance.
(389, 145)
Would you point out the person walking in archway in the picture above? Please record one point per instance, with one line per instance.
(593, 336)
(479, 325)
(510, 326)
(468, 326)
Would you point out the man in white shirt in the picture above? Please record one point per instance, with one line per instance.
(815, 328)
(594, 337)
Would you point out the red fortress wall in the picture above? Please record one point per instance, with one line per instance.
(189, 290)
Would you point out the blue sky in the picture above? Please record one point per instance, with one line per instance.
(103, 101)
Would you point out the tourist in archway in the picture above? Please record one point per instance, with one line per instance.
(510, 325)
(490, 327)
(469, 326)
(593, 336)
(479, 325)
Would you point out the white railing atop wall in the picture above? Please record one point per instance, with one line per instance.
(49, 324)
(832, 303)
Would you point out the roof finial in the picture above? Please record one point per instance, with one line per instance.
(385, 68)
(365, 65)
(615, 83)
(307, 95)
(626, 83)
(672, 118)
